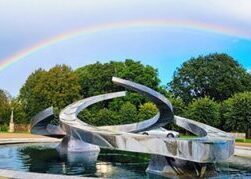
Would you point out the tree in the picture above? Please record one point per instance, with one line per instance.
(218, 76)
(179, 107)
(107, 117)
(147, 111)
(57, 87)
(236, 112)
(139, 73)
(100, 117)
(5, 107)
(96, 78)
(20, 116)
(128, 113)
(204, 110)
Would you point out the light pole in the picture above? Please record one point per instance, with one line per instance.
(11, 125)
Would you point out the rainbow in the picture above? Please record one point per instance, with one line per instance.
(4, 63)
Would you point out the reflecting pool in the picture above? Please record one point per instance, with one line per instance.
(44, 158)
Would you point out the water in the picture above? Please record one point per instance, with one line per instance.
(44, 158)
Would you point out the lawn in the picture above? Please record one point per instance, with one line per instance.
(236, 140)
(242, 140)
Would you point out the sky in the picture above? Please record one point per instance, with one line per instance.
(162, 33)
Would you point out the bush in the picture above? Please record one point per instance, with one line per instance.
(128, 113)
(204, 110)
(179, 106)
(236, 112)
(4, 127)
(147, 111)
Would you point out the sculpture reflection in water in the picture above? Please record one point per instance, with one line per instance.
(170, 156)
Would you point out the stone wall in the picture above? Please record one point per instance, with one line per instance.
(22, 127)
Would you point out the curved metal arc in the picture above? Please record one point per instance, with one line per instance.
(48, 112)
(40, 124)
(201, 150)
(71, 111)
(216, 145)
(164, 106)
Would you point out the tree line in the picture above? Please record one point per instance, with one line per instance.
(214, 89)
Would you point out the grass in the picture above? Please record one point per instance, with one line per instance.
(236, 140)
(19, 132)
(187, 136)
(243, 140)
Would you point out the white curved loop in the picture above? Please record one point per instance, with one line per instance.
(216, 145)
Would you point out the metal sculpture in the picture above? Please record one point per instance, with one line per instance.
(175, 156)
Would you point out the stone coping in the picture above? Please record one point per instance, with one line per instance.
(242, 151)
(4, 173)
(28, 140)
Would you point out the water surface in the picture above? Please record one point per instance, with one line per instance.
(43, 158)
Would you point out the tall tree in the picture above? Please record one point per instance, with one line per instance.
(5, 107)
(218, 76)
(57, 87)
(20, 116)
(96, 78)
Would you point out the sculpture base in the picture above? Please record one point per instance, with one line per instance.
(11, 127)
(176, 168)
(78, 151)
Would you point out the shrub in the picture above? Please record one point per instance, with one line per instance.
(204, 110)
(147, 111)
(236, 112)
(4, 127)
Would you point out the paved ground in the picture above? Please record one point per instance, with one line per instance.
(243, 144)
(14, 138)
(18, 135)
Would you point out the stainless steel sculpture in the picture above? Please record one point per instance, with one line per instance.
(175, 156)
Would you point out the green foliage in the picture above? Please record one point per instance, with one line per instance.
(101, 117)
(57, 87)
(128, 113)
(20, 117)
(139, 73)
(96, 78)
(218, 76)
(147, 111)
(195, 84)
(107, 117)
(179, 106)
(236, 112)
(5, 107)
(204, 110)
(4, 127)
(179, 109)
